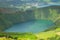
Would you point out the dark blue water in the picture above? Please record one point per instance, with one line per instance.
(32, 26)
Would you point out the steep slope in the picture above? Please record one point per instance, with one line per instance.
(49, 13)
(46, 13)
(8, 19)
(58, 22)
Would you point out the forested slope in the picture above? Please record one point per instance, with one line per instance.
(8, 19)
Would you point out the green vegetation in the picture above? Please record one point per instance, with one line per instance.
(49, 35)
(47, 13)
(7, 20)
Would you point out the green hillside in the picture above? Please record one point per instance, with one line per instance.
(46, 13)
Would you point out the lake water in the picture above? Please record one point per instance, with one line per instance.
(31, 26)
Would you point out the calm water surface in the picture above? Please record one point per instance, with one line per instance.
(31, 26)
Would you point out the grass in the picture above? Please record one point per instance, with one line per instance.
(9, 19)
(45, 35)
(48, 35)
